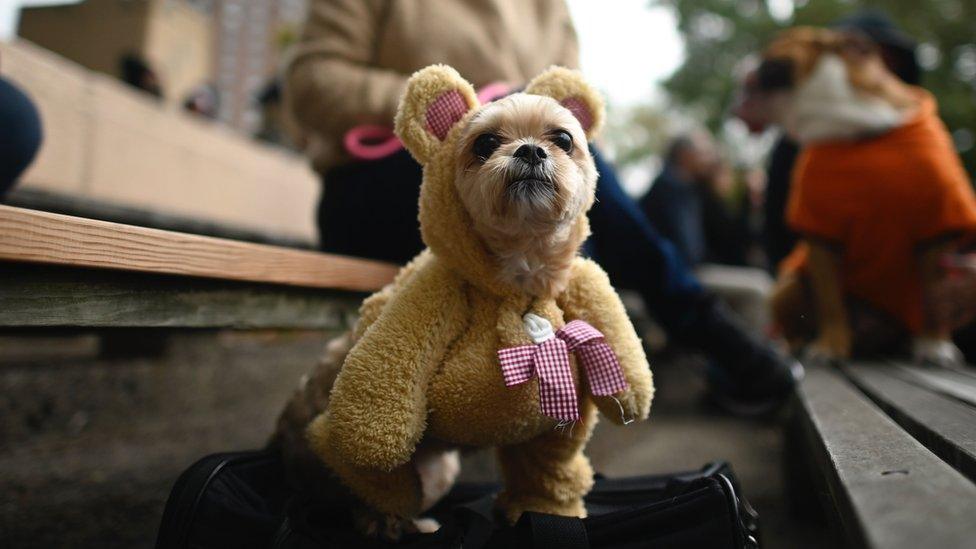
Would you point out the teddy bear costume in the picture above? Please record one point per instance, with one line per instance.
(426, 364)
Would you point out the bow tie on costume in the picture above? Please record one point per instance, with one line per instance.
(548, 359)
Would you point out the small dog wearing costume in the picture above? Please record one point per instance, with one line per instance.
(498, 335)
(879, 196)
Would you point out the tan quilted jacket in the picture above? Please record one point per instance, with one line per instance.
(355, 56)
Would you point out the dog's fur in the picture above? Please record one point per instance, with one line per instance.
(530, 227)
(503, 235)
(826, 85)
(829, 85)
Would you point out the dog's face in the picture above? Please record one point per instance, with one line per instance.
(791, 59)
(507, 184)
(524, 166)
(822, 84)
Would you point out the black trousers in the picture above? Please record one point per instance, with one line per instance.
(369, 209)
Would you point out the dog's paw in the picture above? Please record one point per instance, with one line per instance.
(833, 345)
(426, 525)
(511, 507)
(437, 469)
(937, 352)
(381, 526)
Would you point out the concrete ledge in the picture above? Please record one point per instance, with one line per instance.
(107, 142)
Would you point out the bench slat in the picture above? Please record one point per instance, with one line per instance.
(945, 426)
(40, 237)
(89, 208)
(888, 489)
(46, 296)
(955, 384)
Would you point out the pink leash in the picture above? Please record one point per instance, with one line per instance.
(374, 142)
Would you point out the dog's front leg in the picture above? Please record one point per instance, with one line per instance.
(934, 345)
(548, 474)
(834, 332)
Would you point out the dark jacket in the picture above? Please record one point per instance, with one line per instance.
(674, 207)
(696, 220)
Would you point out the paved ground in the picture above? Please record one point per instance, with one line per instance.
(682, 433)
(90, 447)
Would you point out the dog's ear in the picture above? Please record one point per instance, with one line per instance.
(571, 90)
(436, 99)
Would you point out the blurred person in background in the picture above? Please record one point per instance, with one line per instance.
(20, 134)
(686, 205)
(137, 73)
(203, 100)
(274, 122)
(349, 69)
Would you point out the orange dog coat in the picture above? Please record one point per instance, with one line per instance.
(880, 199)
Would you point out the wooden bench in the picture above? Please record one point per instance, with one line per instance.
(60, 270)
(891, 450)
(126, 353)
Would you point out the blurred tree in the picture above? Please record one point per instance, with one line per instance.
(719, 34)
(634, 131)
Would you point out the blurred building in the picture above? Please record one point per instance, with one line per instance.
(250, 37)
(234, 45)
(173, 37)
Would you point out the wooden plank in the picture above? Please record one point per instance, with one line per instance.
(107, 142)
(945, 426)
(955, 384)
(80, 206)
(44, 296)
(886, 489)
(40, 237)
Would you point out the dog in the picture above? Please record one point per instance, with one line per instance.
(878, 195)
(378, 423)
(525, 177)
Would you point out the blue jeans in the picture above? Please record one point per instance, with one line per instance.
(637, 257)
(634, 255)
(20, 134)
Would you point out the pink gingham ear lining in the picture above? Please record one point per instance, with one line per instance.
(580, 109)
(444, 113)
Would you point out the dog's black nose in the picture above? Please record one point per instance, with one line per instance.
(775, 74)
(533, 154)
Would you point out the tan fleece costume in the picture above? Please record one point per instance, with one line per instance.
(425, 367)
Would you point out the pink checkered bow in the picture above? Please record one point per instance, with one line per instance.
(549, 361)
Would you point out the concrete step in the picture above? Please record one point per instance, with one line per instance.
(89, 447)
(101, 481)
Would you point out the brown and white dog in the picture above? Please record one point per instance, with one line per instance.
(525, 178)
(832, 86)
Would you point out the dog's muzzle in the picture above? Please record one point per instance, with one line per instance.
(530, 180)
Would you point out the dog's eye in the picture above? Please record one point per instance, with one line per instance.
(485, 145)
(563, 140)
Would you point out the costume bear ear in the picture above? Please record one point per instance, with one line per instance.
(436, 99)
(573, 92)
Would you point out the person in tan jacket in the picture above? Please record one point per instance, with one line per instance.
(350, 68)
(355, 56)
